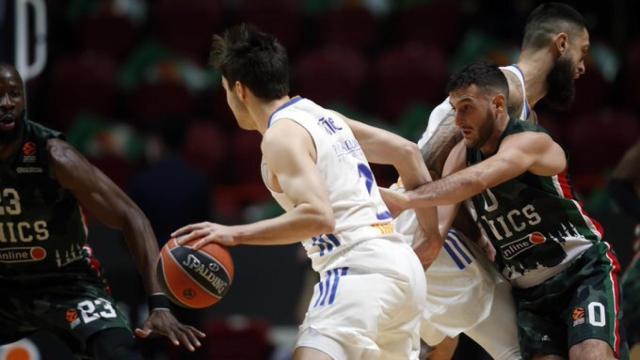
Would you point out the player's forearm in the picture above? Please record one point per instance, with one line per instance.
(143, 246)
(449, 190)
(292, 227)
(384, 147)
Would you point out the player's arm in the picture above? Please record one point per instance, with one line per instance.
(111, 206)
(293, 163)
(456, 161)
(518, 153)
(383, 147)
(439, 138)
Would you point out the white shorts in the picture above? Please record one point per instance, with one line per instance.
(358, 312)
(465, 294)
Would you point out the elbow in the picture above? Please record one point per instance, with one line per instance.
(325, 223)
(320, 220)
(410, 150)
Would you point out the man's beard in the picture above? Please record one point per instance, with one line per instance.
(561, 88)
(484, 131)
(11, 136)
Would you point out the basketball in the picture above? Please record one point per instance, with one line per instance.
(195, 278)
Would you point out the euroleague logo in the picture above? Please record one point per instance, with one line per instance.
(29, 150)
(577, 316)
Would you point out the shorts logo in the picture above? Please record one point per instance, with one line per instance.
(22, 254)
(29, 151)
(519, 246)
(577, 316)
(72, 318)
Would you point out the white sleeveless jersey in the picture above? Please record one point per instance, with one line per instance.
(359, 211)
(406, 223)
(440, 112)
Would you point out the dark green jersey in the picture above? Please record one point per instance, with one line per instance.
(534, 222)
(41, 226)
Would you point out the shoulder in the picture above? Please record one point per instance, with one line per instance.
(42, 131)
(285, 134)
(515, 93)
(63, 156)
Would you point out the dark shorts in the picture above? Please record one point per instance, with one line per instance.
(582, 302)
(73, 304)
(631, 300)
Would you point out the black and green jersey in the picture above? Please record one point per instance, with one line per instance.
(41, 226)
(534, 222)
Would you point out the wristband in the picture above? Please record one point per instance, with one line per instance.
(159, 301)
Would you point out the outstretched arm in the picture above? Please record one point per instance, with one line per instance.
(534, 152)
(383, 147)
(293, 163)
(426, 251)
(111, 206)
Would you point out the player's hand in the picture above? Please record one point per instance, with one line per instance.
(429, 249)
(396, 201)
(162, 322)
(203, 233)
(487, 248)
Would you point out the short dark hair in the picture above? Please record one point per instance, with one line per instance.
(549, 19)
(482, 74)
(256, 59)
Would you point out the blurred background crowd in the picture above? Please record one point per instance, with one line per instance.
(128, 82)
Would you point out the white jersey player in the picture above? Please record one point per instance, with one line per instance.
(363, 254)
(370, 296)
(554, 46)
(465, 294)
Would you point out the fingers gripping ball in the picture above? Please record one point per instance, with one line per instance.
(195, 278)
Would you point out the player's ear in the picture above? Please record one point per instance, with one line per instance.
(561, 42)
(240, 90)
(500, 102)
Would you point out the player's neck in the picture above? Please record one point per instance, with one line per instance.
(535, 66)
(262, 112)
(491, 145)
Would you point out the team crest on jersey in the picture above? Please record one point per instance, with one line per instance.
(72, 317)
(517, 247)
(577, 316)
(22, 254)
(329, 125)
(29, 150)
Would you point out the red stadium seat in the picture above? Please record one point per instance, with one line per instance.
(84, 82)
(97, 33)
(332, 74)
(205, 147)
(281, 18)
(350, 26)
(596, 141)
(437, 22)
(631, 77)
(410, 74)
(187, 25)
(151, 103)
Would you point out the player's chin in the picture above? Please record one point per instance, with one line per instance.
(470, 142)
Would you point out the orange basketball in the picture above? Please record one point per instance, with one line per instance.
(195, 278)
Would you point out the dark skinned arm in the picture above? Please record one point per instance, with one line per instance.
(111, 206)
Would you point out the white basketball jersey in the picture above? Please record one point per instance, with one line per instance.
(358, 208)
(440, 112)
